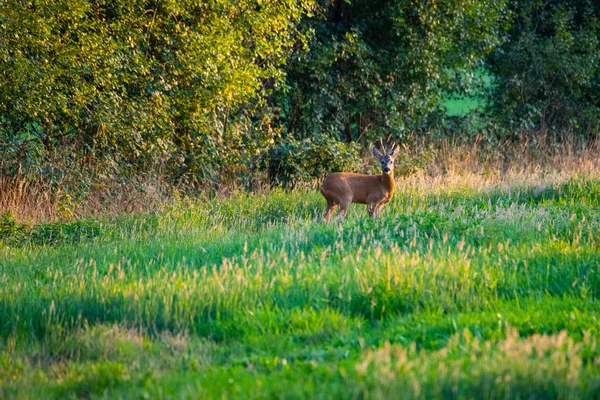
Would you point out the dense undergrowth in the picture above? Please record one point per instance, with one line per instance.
(457, 291)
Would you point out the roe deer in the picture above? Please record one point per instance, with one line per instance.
(343, 188)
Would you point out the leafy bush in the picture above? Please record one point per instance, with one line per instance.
(294, 161)
(56, 233)
(9, 227)
(141, 83)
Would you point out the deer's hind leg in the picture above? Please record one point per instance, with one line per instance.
(344, 204)
(331, 206)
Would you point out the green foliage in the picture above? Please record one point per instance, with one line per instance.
(140, 82)
(9, 227)
(21, 150)
(14, 233)
(295, 161)
(225, 91)
(546, 74)
(380, 67)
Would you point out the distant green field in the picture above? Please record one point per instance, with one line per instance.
(463, 105)
(456, 292)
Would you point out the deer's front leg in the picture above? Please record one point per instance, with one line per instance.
(377, 208)
(371, 209)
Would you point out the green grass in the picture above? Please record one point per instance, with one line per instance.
(461, 105)
(457, 106)
(454, 292)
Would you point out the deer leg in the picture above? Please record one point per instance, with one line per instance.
(329, 212)
(378, 207)
(371, 208)
(344, 208)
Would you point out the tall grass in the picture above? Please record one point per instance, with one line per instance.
(472, 284)
(82, 191)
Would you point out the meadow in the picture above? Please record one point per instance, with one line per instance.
(479, 283)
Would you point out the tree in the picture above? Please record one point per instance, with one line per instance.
(139, 80)
(380, 67)
(547, 75)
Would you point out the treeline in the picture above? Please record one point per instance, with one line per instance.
(220, 90)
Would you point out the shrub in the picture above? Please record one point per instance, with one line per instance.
(295, 161)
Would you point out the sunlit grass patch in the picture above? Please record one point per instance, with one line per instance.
(253, 295)
(536, 366)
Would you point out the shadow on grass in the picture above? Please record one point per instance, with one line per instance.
(552, 272)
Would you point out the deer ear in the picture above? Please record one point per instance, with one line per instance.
(377, 153)
(395, 151)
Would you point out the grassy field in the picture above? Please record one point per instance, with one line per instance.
(471, 285)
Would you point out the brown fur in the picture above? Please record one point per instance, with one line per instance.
(342, 188)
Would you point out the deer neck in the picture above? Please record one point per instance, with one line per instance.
(387, 180)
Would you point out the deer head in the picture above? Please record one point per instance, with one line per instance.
(387, 159)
